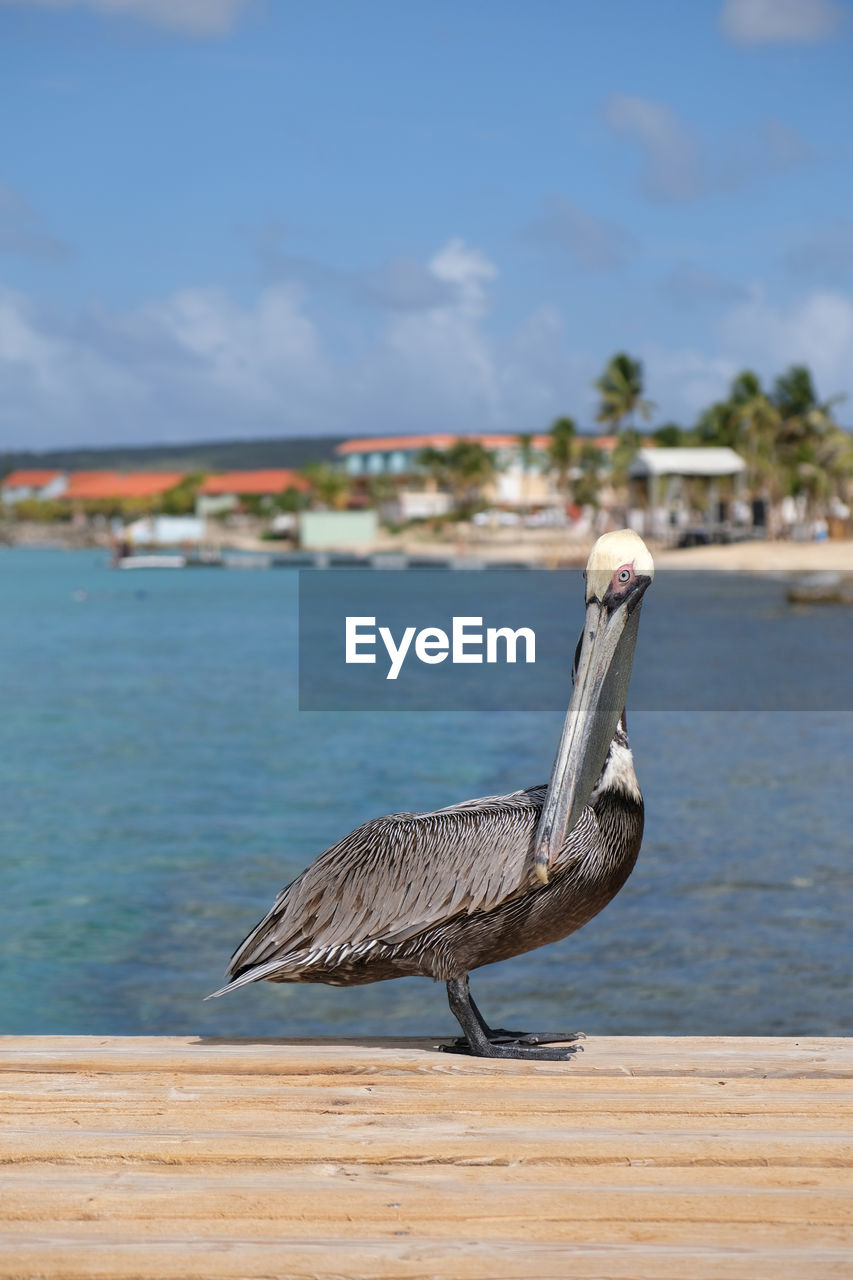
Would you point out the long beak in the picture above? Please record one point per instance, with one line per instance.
(601, 686)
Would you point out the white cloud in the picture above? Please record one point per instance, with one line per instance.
(439, 363)
(594, 242)
(468, 270)
(201, 365)
(195, 17)
(244, 361)
(679, 166)
(690, 285)
(399, 284)
(683, 382)
(759, 152)
(780, 21)
(55, 388)
(825, 253)
(816, 330)
(671, 154)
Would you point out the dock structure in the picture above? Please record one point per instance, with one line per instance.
(701, 1159)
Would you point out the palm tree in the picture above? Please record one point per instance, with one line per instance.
(561, 450)
(434, 463)
(670, 435)
(621, 390)
(586, 486)
(328, 485)
(381, 488)
(811, 446)
(466, 467)
(630, 440)
(470, 467)
(528, 454)
(720, 424)
(759, 426)
(803, 416)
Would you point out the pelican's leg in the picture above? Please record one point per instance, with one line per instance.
(482, 1042)
(501, 1034)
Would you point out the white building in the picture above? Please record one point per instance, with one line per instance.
(662, 490)
(41, 484)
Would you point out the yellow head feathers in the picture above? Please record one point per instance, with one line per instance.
(611, 552)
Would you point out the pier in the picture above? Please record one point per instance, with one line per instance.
(701, 1159)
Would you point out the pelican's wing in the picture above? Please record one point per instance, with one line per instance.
(395, 876)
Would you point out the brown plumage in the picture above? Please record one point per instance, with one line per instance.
(439, 894)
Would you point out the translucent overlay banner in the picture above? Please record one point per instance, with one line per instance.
(504, 639)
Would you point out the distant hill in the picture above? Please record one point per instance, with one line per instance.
(210, 455)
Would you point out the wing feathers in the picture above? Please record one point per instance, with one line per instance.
(395, 876)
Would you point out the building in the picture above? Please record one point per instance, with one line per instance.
(43, 485)
(399, 455)
(88, 486)
(108, 486)
(165, 531)
(337, 530)
(519, 480)
(221, 493)
(670, 487)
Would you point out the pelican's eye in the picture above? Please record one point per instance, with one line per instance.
(624, 575)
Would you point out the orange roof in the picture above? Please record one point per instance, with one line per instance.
(29, 479)
(509, 441)
(380, 444)
(384, 444)
(114, 484)
(273, 481)
(608, 443)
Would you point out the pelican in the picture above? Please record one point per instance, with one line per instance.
(439, 894)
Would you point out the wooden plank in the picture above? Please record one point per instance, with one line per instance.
(115, 1258)
(545, 1228)
(443, 1144)
(194, 1115)
(354, 1139)
(55, 1093)
(642, 1157)
(330, 1175)
(656, 1056)
(285, 1196)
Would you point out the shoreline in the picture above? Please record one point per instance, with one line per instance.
(542, 550)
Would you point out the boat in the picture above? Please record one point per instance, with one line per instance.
(152, 562)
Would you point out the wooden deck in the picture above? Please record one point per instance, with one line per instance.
(645, 1157)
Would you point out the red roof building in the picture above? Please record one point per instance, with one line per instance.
(441, 440)
(94, 485)
(29, 479)
(262, 483)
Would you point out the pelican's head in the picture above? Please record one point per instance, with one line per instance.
(620, 565)
(619, 570)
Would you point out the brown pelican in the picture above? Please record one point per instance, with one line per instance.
(439, 894)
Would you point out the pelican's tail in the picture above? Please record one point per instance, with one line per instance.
(255, 974)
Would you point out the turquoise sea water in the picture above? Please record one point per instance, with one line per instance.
(159, 786)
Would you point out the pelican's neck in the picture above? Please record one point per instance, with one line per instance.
(618, 772)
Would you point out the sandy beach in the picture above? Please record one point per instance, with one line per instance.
(555, 549)
(552, 548)
(781, 557)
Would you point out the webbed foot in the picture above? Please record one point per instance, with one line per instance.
(483, 1041)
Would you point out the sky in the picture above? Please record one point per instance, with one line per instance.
(248, 218)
